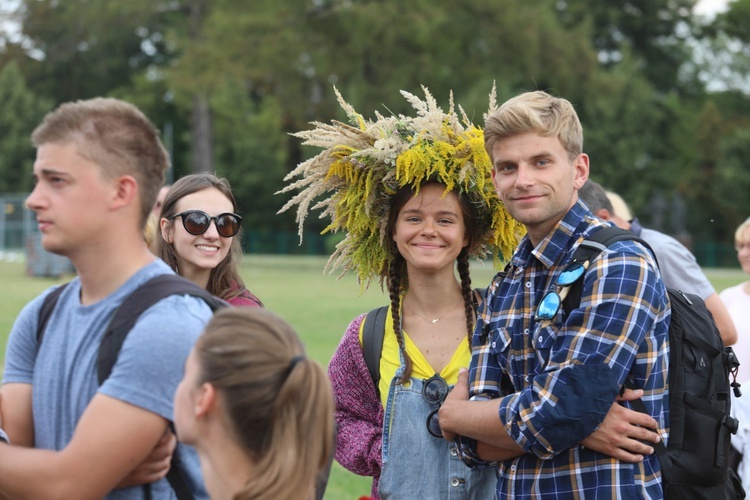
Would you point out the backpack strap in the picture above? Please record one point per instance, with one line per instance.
(588, 249)
(50, 301)
(134, 305)
(122, 322)
(373, 333)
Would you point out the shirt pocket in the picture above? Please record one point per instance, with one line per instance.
(499, 341)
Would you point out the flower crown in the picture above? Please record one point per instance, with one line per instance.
(361, 168)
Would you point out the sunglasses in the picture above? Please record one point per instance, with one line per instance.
(197, 222)
(434, 391)
(551, 302)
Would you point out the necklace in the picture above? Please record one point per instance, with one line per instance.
(434, 320)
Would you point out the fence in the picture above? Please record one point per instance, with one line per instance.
(19, 235)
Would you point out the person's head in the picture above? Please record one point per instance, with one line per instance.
(249, 374)
(161, 195)
(535, 143)
(742, 245)
(370, 171)
(619, 207)
(198, 219)
(114, 136)
(600, 203)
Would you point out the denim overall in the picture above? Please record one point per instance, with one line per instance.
(417, 465)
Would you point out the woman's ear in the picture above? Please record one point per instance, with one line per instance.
(205, 400)
(166, 230)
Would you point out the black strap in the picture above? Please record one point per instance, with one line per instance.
(122, 322)
(588, 249)
(50, 301)
(373, 333)
(117, 330)
(134, 305)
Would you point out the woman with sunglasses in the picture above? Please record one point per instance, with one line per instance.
(200, 236)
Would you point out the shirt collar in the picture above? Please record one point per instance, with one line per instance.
(560, 240)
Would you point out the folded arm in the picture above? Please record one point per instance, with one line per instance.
(110, 440)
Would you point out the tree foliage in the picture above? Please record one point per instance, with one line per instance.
(227, 80)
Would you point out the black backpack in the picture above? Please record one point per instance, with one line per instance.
(117, 330)
(695, 461)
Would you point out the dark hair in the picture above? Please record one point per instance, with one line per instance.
(397, 277)
(224, 280)
(278, 402)
(595, 197)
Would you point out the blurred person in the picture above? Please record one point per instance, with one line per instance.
(257, 410)
(677, 264)
(200, 237)
(737, 300)
(98, 167)
(160, 197)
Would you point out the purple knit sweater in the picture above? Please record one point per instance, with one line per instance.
(359, 413)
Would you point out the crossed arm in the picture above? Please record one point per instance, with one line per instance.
(111, 439)
(621, 435)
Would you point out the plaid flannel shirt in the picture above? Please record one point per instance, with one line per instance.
(567, 372)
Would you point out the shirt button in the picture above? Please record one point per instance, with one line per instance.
(455, 482)
(526, 331)
(513, 468)
(528, 284)
(528, 378)
(540, 339)
(454, 452)
(493, 345)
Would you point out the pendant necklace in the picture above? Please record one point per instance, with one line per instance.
(435, 320)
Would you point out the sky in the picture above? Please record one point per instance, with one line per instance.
(707, 7)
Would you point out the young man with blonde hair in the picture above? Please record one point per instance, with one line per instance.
(566, 370)
(99, 166)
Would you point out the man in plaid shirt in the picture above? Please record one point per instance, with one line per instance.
(566, 370)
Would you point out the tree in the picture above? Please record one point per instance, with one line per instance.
(22, 112)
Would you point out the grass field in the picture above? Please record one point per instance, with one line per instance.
(318, 305)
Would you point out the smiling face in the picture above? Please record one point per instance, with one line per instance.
(197, 255)
(430, 231)
(537, 181)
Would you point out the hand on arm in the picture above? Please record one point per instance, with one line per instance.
(156, 465)
(478, 420)
(110, 440)
(621, 432)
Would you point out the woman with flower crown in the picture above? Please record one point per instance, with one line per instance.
(415, 198)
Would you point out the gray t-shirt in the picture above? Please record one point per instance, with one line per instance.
(146, 374)
(677, 264)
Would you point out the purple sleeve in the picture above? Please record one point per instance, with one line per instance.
(359, 414)
(245, 299)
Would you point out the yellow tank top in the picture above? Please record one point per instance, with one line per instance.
(390, 361)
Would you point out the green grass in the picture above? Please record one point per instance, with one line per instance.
(319, 306)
